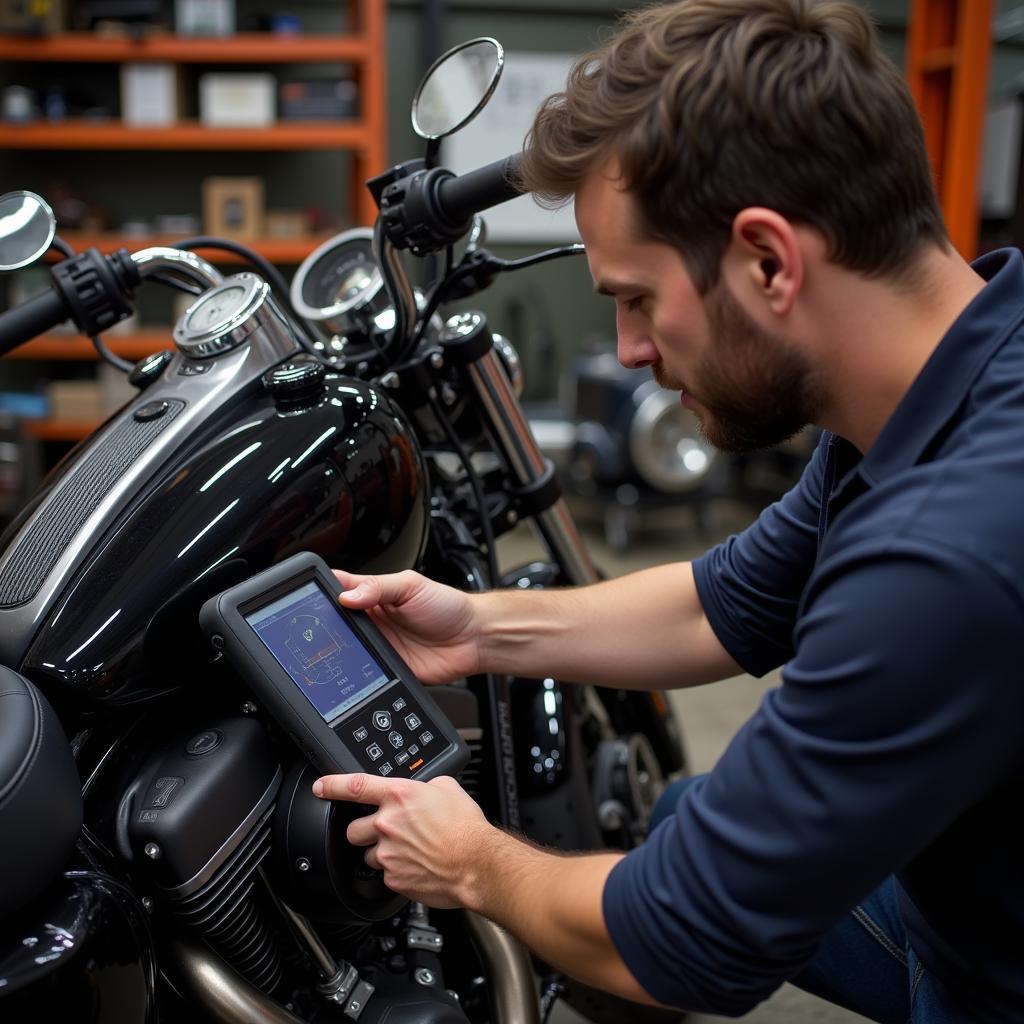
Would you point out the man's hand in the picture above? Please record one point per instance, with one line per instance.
(421, 835)
(430, 625)
(435, 846)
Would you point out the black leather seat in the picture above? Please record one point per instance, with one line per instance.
(40, 793)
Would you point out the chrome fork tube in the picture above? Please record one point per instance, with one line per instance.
(524, 458)
(516, 442)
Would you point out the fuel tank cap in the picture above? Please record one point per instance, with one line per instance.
(299, 378)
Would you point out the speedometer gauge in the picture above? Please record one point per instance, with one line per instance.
(223, 317)
(339, 285)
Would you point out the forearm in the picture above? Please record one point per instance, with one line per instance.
(643, 631)
(553, 904)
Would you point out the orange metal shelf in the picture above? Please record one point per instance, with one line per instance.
(249, 48)
(277, 250)
(75, 346)
(949, 45)
(87, 135)
(59, 430)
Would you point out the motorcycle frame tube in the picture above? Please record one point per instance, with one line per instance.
(225, 994)
(514, 994)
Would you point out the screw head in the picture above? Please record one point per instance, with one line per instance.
(147, 904)
(302, 864)
(249, 708)
(152, 851)
(423, 976)
(437, 360)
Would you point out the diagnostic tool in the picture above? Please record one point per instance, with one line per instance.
(329, 676)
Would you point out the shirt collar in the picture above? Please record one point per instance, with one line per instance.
(940, 388)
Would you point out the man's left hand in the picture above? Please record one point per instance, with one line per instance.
(421, 834)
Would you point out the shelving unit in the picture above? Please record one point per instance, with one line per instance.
(277, 250)
(361, 50)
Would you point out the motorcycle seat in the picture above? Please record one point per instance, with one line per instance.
(40, 793)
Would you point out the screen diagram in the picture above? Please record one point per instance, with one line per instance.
(306, 634)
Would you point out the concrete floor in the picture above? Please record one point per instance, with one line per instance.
(710, 715)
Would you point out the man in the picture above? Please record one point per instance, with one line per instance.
(752, 188)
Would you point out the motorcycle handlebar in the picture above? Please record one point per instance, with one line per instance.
(462, 196)
(31, 318)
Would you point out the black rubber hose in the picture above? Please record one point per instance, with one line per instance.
(31, 318)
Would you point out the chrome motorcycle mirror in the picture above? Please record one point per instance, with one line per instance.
(27, 228)
(456, 87)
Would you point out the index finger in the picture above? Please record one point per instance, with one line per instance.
(357, 787)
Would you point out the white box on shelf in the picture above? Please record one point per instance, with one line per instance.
(232, 100)
(149, 94)
(204, 17)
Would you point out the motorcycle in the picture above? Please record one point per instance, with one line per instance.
(163, 855)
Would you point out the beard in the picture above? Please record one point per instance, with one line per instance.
(753, 388)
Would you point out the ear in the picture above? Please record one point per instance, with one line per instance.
(766, 258)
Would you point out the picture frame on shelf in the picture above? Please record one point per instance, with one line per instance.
(233, 207)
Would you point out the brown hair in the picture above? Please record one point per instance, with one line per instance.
(711, 106)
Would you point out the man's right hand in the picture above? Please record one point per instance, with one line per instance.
(430, 625)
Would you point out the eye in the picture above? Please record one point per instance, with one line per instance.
(634, 304)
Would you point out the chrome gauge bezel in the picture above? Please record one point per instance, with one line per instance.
(228, 331)
(351, 313)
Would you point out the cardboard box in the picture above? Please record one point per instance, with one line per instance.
(287, 224)
(233, 100)
(114, 388)
(319, 100)
(75, 400)
(150, 94)
(32, 17)
(233, 207)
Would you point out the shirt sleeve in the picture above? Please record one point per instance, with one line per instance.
(905, 685)
(750, 584)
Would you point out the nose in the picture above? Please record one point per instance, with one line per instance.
(635, 347)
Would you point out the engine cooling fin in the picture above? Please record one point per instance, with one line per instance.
(231, 913)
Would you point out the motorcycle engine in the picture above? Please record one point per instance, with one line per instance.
(196, 823)
(212, 814)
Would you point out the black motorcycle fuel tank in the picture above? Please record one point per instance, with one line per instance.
(334, 471)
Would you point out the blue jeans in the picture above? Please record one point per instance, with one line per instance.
(865, 963)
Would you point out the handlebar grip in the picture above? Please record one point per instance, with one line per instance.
(24, 322)
(460, 197)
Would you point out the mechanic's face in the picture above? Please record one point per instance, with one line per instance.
(749, 388)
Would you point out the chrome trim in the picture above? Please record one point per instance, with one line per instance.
(225, 335)
(404, 297)
(363, 298)
(51, 231)
(512, 363)
(665, 469)
(513, 990)
(557, 529)
(203, 394)
(504, 415)
(180, 262)
(228, 847)
(499, 67)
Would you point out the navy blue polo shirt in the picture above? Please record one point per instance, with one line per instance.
(892, 589)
